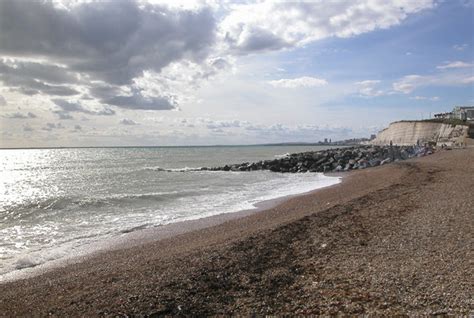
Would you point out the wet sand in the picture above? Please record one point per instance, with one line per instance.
(395, 239)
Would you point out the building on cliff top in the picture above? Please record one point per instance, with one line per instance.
(465, 113)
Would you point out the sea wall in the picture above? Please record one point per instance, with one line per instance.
(406, 133)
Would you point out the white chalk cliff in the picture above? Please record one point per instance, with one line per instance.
(411, 132)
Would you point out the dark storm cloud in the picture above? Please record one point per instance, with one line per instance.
(30, 86)
(110, 41)
(52, 74)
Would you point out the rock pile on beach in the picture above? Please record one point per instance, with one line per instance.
(340, 159)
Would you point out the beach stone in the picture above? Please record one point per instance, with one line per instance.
(374, 162)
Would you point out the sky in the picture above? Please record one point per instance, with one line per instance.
(151, 73)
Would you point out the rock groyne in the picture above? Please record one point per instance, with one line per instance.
(340, 159)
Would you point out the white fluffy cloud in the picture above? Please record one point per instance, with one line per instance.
(456, 64)
(305, 81)
(434, 98)
(273, 25)
(460, 47)
(368, 88)
(409, 83)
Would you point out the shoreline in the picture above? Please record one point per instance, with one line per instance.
(140, 236)
(389, 240)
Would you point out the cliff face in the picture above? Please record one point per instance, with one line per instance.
(411, 132)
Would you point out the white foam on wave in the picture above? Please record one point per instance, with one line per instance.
(289, 185)
(233, 199)
(184, 169)
(286, 155)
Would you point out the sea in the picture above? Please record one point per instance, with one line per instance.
(54, 202)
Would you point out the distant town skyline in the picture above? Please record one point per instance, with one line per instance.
(124, 73)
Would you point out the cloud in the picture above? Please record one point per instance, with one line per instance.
(455, 73)
(307, 133)
(83, 44)
(149, 56)
(273, 25)
(63, 115)
(113, 41)
(304, 81)
(368, 88)
(220, 124)
(67, 107)
(257, 39)
(434, 98)
(31, 78)
(3, 101)
(51, 126)
(409, 83)
(467, 80)
(27, 128)
(138, 101)
(77, 127)
(175, 84)
(18, 115)
(129, 122)
(460, 47)
(279, 132)
(51, 73)
(456, 64)
(30, 86)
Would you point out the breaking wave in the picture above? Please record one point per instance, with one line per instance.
(185, 169)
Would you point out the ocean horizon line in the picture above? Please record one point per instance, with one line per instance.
(183, 146)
